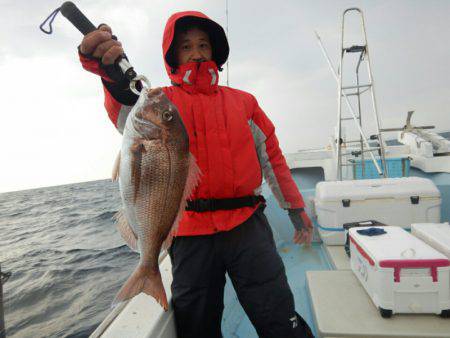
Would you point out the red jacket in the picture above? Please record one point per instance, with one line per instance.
(230, 136)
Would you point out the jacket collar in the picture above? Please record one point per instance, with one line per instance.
(195, 77)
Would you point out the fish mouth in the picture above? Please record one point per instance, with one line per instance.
(146, 129)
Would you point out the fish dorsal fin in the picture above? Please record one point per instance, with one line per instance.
(192, 180)
(116, 168)
(126, 232)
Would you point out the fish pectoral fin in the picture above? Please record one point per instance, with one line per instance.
(192, 180)
(126, 231)
(116, 168)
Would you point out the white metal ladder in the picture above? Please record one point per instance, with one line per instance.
(357, 90)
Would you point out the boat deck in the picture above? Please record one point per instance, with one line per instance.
(338, 258)
(326, 292)
(297, 260)
(342, 308)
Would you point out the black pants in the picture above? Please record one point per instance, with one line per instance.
(249, 255)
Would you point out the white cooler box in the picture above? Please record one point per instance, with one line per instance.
(436, 235)
(401, 273)
(393, 201)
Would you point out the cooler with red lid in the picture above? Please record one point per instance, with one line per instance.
(400, 273)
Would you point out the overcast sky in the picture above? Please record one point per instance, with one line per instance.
(56, 131)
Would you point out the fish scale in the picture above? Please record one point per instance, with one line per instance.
(156, 175)
(157, 196)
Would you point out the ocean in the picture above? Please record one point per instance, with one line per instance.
(66, 258)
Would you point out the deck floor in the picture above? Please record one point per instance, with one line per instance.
(235, 322)
(343, 309)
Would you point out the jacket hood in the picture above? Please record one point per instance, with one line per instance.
(216, 34)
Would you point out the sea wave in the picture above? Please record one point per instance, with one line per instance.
(66, 258)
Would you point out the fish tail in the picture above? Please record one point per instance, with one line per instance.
(143, 280)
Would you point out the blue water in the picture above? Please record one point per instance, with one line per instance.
(66, 258)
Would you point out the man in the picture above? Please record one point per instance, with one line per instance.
(223, 229)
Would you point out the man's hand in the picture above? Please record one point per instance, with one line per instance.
(303, 226)
(101, 44)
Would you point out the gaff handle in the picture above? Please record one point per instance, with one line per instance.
(82, 23)
(77, 18)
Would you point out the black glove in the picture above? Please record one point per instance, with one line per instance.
(299, 219)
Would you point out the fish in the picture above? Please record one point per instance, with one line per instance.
(156, 174)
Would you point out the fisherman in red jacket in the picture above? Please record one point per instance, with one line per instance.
(223, 229)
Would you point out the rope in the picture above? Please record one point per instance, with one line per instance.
(50, 19)
(317, 225)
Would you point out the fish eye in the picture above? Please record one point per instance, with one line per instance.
(167, 115)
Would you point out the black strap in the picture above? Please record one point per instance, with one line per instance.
(202, 205)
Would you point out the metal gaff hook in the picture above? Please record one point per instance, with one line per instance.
(144, 81)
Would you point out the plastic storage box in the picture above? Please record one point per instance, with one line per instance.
(348, 226)
(396, 167)
(401, 273)
(436, 235)
(393, 201)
